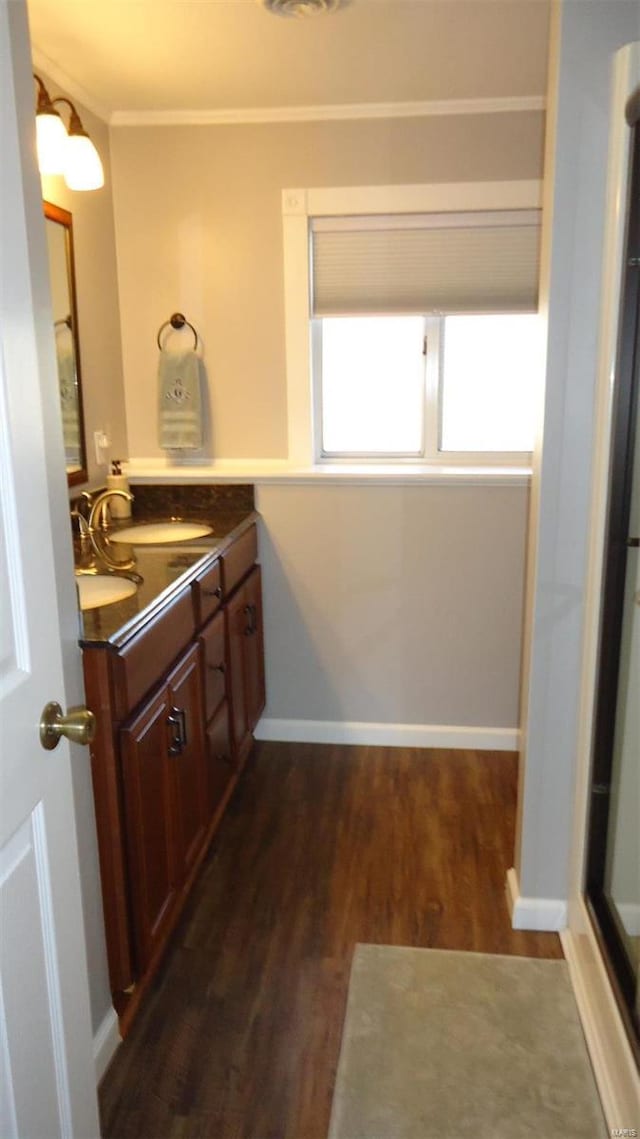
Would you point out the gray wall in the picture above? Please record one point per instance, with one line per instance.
(576, 172)
(399, 605)
(199, 229)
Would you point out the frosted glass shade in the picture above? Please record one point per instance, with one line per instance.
(51, 140)
(83, 168)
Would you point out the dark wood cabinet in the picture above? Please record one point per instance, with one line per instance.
(254, 686)
(220, 764)
(221, 760)
(164, 785)
(176, 706)
(150, 825)
(245, 656)
(214, 660)
(188, 773)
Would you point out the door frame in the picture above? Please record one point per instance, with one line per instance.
(609, 1047)
(615, 569)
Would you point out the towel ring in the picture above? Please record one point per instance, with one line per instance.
(177, 320)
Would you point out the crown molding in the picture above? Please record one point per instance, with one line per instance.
(41, 62)
(329, 112)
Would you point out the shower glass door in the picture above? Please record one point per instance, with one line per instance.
(613, 868)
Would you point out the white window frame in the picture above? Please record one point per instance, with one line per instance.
(299, 206)
(430, 452)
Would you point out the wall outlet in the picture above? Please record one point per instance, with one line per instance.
(101, 442)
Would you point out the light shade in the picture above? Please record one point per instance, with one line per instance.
(65, 149)
(51, 140)
(82, 168)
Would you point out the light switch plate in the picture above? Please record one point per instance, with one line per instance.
(101, 442)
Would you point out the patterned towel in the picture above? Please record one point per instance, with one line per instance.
(180, 409)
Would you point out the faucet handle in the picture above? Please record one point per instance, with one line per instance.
(84, 504)
(83, 525)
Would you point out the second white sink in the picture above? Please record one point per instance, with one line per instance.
(103, 589)
(158, 533)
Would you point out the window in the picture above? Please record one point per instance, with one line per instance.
(371, 372)
(490, 373)
(411, 327)
(426, 388)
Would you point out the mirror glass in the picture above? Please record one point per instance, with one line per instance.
(63, 295)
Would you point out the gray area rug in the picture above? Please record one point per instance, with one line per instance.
(449, 1045)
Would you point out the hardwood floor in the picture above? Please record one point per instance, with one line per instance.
(321, 847)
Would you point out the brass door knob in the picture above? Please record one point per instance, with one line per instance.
(78, 726)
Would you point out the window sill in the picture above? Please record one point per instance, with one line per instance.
(273, 471)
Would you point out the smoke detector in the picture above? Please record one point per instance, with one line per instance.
(299, 7)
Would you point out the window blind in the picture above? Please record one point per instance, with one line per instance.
(452, 263)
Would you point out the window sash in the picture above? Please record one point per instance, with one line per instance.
(324, 455)
(431, 452)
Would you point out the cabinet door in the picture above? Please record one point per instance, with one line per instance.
(238, 626)
(220, 765)
(151, 841)
(187, 766)
(215, 664)
(254, 650)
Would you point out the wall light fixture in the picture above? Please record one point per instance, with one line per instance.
(62, 149)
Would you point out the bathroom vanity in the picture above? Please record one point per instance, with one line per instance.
(175, 678)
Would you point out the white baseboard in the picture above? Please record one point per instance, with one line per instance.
(388, 735)
(105, 1043)
(611, 1057)
(539, 914)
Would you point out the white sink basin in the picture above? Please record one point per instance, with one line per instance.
(157, 533)
(102, 589)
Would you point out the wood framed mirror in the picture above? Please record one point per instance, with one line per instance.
(59, 228)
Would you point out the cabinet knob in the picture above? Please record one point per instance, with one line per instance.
(217, 667)
(217, 592)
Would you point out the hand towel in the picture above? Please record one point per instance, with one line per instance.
(180, 410)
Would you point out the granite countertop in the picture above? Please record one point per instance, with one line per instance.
(161, 571)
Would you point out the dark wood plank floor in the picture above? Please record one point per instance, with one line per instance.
(321, 847)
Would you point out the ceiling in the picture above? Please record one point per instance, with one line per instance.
(216, 55)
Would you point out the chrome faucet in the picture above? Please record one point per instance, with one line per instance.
(99, 516)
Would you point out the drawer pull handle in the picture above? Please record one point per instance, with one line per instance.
(183, 728)
(174, 723)
(217, 592)
(217, 667)
(252, 612)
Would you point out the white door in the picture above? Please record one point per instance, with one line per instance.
(47, 1078)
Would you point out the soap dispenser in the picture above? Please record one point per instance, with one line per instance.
(118, 507)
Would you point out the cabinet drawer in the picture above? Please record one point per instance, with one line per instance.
(143, 660)
(213, 656)
(207, 592)
(238, 559)
(220, 767)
